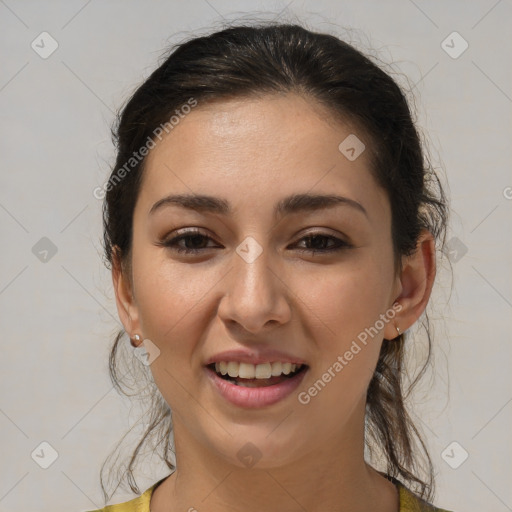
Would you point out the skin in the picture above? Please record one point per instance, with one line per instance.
(252, 153)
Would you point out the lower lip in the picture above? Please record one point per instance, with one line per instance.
(255, 397)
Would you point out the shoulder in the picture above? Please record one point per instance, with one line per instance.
(139, 504)
(409, 502)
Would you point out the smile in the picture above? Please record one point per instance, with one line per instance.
(250, 385)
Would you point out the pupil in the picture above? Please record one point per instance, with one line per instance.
(196, 240)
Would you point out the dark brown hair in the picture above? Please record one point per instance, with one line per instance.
(256, 59)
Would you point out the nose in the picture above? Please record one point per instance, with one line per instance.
(255, 295)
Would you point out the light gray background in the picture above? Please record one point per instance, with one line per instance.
(57, 317)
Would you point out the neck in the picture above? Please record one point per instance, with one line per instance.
(332, 476)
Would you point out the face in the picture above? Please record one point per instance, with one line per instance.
(299, 283)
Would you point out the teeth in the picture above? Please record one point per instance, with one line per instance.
(233, 369)
(255, 371)
(221, 367)
(287, 368)
(276, 369)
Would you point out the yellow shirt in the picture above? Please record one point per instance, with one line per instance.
(408, 502)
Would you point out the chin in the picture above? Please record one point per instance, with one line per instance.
(260, 448)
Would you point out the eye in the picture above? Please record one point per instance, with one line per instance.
(193, 241)
(320, 241)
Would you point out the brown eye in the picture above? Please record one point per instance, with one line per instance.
(319, 242)
(193, 242)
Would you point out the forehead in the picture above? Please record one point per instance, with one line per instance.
(259, 149)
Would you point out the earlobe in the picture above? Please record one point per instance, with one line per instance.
(416, 282)
(135, 341)
(392, 329)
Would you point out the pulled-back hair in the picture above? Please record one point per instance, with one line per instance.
(257, 59)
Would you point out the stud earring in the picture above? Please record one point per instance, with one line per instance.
(397, 330)
(135, 340)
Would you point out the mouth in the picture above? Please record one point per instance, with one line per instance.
(256, 376)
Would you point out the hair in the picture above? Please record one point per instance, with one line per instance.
(247, 60)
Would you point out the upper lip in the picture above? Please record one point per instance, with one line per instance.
(256, 356)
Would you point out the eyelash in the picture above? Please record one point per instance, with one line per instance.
(171, 244)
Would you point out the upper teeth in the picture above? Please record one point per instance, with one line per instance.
(255, 371)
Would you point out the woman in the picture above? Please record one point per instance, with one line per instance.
(271, 225)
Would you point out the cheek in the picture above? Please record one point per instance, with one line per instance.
(167, 293)
(344, 305)
(345, 300)
(340, 308)
(171, 303)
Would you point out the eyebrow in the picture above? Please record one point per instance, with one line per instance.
(291, 204)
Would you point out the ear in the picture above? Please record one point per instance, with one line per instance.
(125, 302)
(415, 284)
